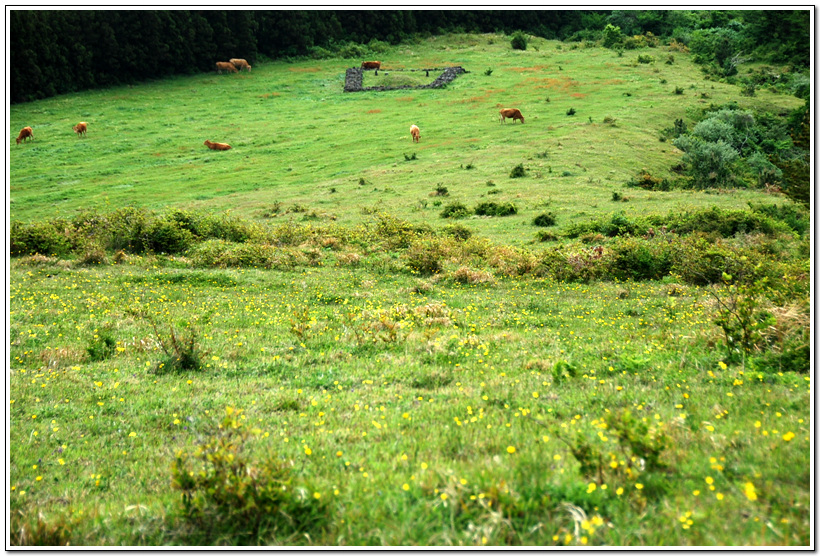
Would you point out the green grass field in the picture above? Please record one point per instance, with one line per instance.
(346, 399)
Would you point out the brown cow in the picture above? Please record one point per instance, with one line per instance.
(240, 64)
(415, 132)
(25, 133)
(80, 128)
(371, 65)
(513, 113)
(225, 66)
(217, 146)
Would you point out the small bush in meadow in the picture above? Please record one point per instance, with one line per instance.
(544, 219)
(102, 344)
(645, 59)
(440, 191)
(93, 254)
(519, 41)
(571, 112)
(465, 275)
(491, 208)
(455, 210)
(518, 171)
(638, 259)
(225, 495)
(458, 231)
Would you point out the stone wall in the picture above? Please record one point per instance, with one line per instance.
(354, 76)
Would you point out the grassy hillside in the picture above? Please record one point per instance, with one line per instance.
(303, 352)
(299, 139)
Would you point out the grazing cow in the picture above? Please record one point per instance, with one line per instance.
(415, 132)
(513, 113)
(225, 66)
(217, 146)
(25, 133)
(80, 128)
(371, 65)
(240, 64)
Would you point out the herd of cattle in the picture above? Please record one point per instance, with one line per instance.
(237, 64)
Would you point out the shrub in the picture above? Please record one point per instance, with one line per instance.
(44, 238)
(455, 210)
(518, 171)
(639, 259)
(544, 219)
(491, 208)
(612, 36)
(458, 231)
(645, 180)
(645, 59)
(466, 275)
(519, 41)
(425, 256)
(571, 112)
(440, 191)
(226, 496)
(710, 164)
(93, 254)
(166, 236)
(101, 345)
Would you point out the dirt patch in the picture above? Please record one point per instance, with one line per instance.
(533, 68)
(577, 95)
(269, 95)
(562, 84)
(405, 99)
(376, 111)
(305, 70)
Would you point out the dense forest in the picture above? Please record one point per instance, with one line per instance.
(60, 51)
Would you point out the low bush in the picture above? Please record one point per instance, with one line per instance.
(491, 208)
(638, 259)
(544, 219)
(458, 231)
(455, 210)
(519, 41)
(51, 238)
(226, 495)
(518, 171)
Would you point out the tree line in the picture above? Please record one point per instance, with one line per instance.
(60, 51)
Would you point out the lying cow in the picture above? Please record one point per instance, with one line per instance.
(80, 128)
(25, 133)
(513, 113)
(217, 146)
(415, 132)
(240, 64)
(371, 65)
(225, 66)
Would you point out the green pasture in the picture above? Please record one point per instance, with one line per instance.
(299, 139)
(345, 394)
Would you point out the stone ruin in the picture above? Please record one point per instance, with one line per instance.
(354, 77)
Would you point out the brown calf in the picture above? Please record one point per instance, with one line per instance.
(217, 146)
(371, 65)
(415, 132)
(225, 66)
(25, 133)
(80, 128)
(513, 113)
(240, 64)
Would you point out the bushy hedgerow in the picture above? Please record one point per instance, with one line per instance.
(49, 238)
